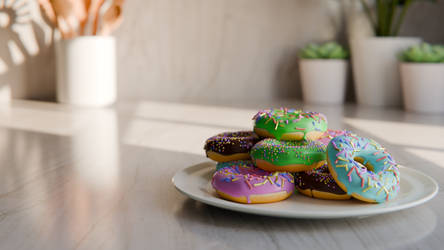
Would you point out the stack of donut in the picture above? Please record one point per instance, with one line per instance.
(292, 150)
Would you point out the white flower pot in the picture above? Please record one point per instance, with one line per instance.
(375, 69)
(86, 71)
(323, 80)
(423, 87)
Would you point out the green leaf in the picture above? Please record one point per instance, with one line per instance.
(426, 48)
(338, 53)
(308, 54)
(329, 50)
(415, 54)
(424, 53)
(430, 57)
(438, 49)
(326, 49)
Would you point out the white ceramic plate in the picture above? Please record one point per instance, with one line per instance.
(416, 188)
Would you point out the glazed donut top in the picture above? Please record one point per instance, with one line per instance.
(232, 142)
(283, 120)
(283, 153)
(364, 167)
(253, 180)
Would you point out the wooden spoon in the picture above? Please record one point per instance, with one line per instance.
(86, 4)
(52, 14)
(64, 11)
(95, 12)
(112, 18)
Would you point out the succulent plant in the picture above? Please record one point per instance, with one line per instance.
(424, 53)
(329, 50)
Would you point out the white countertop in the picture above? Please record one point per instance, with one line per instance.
(73, 178)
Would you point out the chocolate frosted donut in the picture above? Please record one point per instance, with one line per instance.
(230, 146)
(319, 183)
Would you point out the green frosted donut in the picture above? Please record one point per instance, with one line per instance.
(289, 124)
(290, 156)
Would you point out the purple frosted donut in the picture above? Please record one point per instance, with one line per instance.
(244, 183)
(230, 146)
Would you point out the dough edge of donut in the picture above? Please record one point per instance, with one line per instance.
(225, 158)
(257, 198)
(314, 135)
(265, 165)
(323, 195)
(291, 136)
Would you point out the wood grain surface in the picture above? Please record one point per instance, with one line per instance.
(101, 179)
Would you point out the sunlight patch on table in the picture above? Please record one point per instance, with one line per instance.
(432, 156)
(402, 134)
(196, 114)
(171, 136)
(49, 118)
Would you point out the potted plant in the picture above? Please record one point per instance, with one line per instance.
(374, 58)
(422, 77)
(323, 71)
(86, 53)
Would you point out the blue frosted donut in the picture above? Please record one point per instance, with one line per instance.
(362, 168)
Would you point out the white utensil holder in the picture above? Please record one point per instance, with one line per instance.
(86, 71)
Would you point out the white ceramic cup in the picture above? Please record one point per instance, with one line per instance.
(86, 71)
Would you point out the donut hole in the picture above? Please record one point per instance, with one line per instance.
(361, 161)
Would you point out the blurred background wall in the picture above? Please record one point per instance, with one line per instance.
(198, 49)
